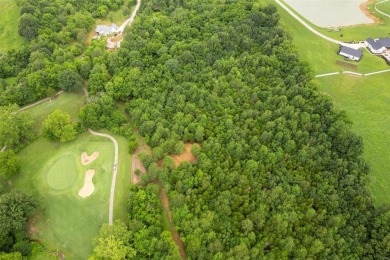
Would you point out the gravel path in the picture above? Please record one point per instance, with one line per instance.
(115, 170)
(379, 11)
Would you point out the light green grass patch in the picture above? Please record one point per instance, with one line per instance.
(9, 17)
(66, 221)
(62, 173)
(67, 102)
(384, 7)
(367, 102)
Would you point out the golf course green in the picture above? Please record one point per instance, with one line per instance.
(53, 173)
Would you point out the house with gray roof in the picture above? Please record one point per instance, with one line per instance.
(375, 46)
(103, 30)
(350, 53)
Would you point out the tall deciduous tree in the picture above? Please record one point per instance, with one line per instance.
(16, 128)
(58, 127)
(70, 80)
(9, 164)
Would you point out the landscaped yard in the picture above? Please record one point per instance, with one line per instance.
(9, 16)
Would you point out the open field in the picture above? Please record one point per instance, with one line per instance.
(366, 100)
(367, 103)
(67, 102)
(9, 16)
(52, 172)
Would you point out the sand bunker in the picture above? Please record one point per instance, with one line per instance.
(88, 187)
(85, 159)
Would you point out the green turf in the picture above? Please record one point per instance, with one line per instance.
(67, 102)
(9, 16)
(367, 102)
(62, 173)
(384, 7)
(68, 222)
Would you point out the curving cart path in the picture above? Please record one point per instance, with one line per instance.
(379, 11)
(353, 46)
(115, 170)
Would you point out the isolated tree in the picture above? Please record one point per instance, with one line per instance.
(70, 80)
(9, 164)
(58, 127)
(16, 128)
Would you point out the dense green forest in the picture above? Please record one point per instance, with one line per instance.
(279, 174)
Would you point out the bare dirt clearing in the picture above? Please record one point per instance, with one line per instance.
(186, 156)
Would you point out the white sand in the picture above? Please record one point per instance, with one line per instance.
(85, 159)
(88, 187)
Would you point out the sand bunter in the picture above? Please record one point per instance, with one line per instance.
(88, 187)
(85, 159)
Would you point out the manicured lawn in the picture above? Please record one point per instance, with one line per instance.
(384, 7)
(9, 16)
(67, 102)
(66, 221)
(367, 103)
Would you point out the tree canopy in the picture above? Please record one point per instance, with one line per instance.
(58, 127)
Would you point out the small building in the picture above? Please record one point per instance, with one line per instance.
(375, 46)
(103, 30)
(350, 53)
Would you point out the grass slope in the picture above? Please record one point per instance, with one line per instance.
(67, 222)
(9, 16)
(366, 100)
(67, 102)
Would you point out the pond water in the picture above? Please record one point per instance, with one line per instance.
(330, 13)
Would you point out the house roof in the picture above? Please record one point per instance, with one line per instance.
(352, 52)
(106, 29)
(374, 44)
(384, 42)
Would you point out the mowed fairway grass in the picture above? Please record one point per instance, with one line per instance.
(9, 16)
(367, 102)
(52, 172)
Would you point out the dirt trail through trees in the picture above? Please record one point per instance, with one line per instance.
(136, 164)
(167, 209)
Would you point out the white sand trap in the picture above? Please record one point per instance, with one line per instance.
(85, 159)
(88, 187)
